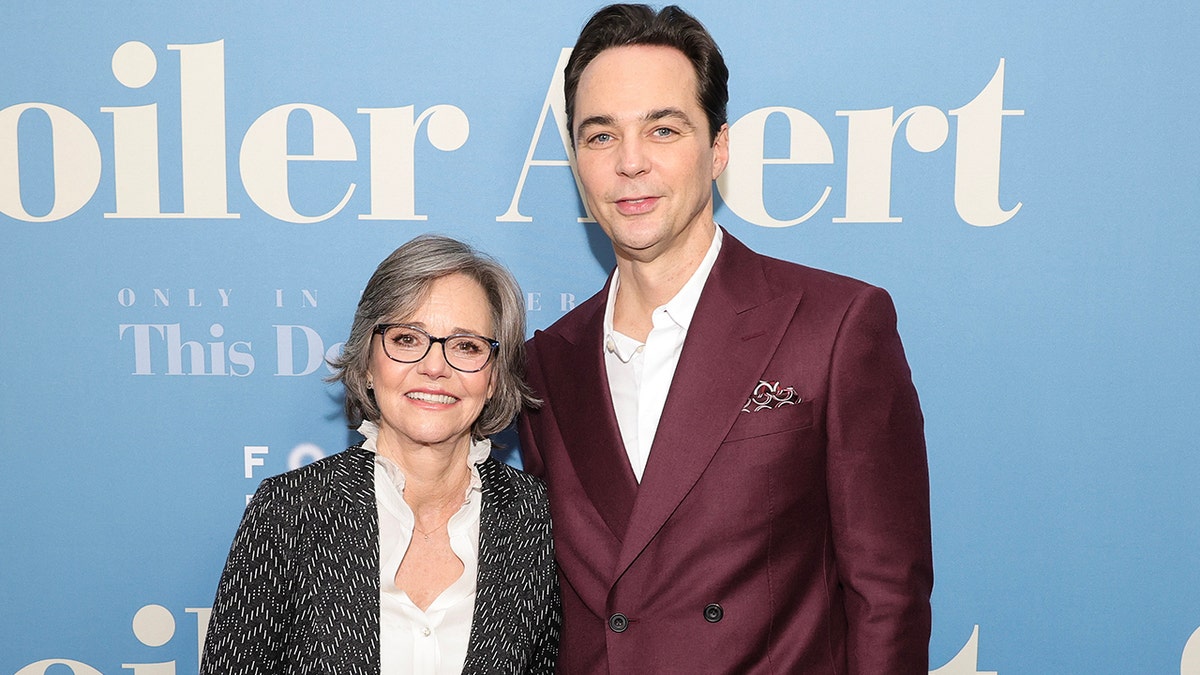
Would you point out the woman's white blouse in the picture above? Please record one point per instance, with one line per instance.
(434, 641)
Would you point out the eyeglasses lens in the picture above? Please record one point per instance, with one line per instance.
(408, 344)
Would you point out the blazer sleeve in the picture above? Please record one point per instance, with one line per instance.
(879, 492)
(250, 615)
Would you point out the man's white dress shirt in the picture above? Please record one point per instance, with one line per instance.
(640, 374)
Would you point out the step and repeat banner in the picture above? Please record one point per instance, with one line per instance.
(192, 196)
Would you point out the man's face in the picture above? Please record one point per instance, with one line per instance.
(643, 151)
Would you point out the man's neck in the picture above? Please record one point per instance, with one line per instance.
(648, 284)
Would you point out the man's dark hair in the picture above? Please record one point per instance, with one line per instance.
(624, 25)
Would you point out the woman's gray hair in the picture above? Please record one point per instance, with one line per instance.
(399, 286)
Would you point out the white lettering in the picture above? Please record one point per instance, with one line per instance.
(869, 157)
(556, 105)
(977, 158)
(42, 667)
(238, 353)
(250, 458)
(241, 362)
(154, 625)
(334, 351)
(135, 137)
(393, 163)
(76, 156)
(264, 158)
(175, 348)
(202, 110)
(741, 186)
(1189, 663)
(303, 454)
(141, 345)
(203, 614)
(966, 662)
(313, 351)
(202, 134)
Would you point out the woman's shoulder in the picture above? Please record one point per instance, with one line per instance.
(497, 475)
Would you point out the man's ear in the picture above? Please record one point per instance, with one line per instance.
(720, 151)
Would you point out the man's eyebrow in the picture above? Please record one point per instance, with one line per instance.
(652, 116)
(595, 121)
(668, 113)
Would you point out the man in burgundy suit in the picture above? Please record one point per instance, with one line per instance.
(732, 443)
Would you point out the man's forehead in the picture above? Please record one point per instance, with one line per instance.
(639, 54)
(655, 78)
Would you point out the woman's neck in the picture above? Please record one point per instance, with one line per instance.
(434, 475)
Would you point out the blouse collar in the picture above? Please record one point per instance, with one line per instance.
(479, 451)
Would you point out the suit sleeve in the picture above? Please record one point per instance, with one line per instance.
(531, 458)
(879, 492)
(250, 615)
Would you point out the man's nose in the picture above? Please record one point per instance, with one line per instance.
(632, 158)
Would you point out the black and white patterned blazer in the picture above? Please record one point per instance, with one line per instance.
(300, 590)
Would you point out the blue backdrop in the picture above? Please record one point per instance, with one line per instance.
(192, 196)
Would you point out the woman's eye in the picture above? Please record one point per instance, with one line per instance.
(467, 347)
(405, 339)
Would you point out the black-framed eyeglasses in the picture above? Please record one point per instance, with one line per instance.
(464, 352)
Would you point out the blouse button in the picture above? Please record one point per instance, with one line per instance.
(425, 631)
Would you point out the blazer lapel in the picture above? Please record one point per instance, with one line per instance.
(575, 355)
(737, 326)
(494, 577)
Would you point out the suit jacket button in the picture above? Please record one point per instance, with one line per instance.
(618, 622)
(713, 613)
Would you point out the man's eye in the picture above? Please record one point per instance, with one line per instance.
(663, 132)
(600, 138)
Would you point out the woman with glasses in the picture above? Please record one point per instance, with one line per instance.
(413, 551)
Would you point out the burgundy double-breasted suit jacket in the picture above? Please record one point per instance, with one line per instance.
(793, 539)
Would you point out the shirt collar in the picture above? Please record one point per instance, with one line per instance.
(680, 308)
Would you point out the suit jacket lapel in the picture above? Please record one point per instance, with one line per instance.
(574, 354)
(737, 326)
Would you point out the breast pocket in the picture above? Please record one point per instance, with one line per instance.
(773, 421)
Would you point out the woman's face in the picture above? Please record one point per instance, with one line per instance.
(429, 403)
